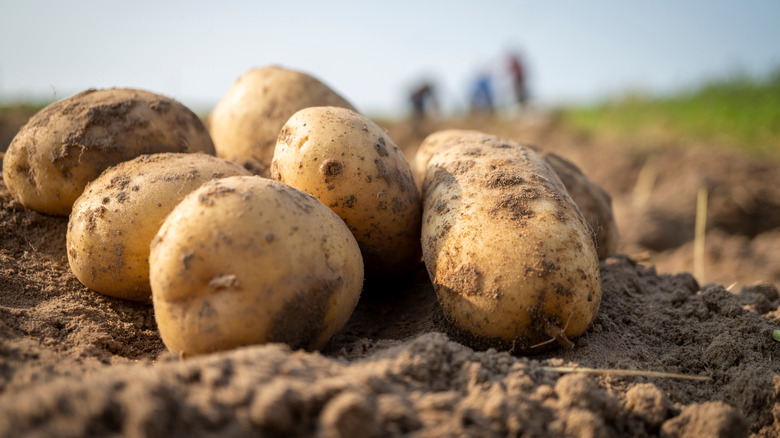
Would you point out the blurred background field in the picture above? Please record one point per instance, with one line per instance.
(375, 53)
(739, 110)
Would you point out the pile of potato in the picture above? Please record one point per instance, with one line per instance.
(269, 240)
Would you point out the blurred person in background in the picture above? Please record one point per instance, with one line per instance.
(424, 104)
(482, 101)
(517, 74)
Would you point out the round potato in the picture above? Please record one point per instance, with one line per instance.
(115, 219)
(69, 143)
(246, 122)
(246, 260)
(593, 201)
(353, 167)
(511, 258)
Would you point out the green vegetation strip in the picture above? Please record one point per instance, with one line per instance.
(738, 111)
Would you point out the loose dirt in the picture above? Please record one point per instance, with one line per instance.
(77, 363)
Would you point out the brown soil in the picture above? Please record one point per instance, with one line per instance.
(76, 363)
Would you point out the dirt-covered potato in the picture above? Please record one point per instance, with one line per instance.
(353, 167)
(592, 200)
(115, 219)
(246, 122)
(511, 258)
(69, 143)
(435, 143)
(247, 260)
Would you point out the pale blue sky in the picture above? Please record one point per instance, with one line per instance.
(371, 52)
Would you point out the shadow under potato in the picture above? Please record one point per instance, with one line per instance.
(389, 312)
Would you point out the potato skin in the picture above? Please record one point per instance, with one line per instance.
(115, 219)
(246, 260)
(511, 258)
(353, 167)
(247, 121)
(70, 142)
(593, 201)
(435, 143)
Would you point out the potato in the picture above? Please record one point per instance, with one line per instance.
(246, 122)
(246, 260)
(353, 167)
(592, 200)
(435, 143)
(115, 219)
(69, 143)
(511, 258)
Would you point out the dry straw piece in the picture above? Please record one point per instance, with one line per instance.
(699, 232)
(626, 373)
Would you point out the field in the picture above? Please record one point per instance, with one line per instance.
(739, 111)
(77, 363)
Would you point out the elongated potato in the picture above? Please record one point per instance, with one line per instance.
(246, 122)
(592, 200)
(69, 143)
(437, 142)
(511, 258)
(246, 260)
(353, 167)
(115, 219)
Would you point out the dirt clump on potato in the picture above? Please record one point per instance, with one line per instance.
(70, 142)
